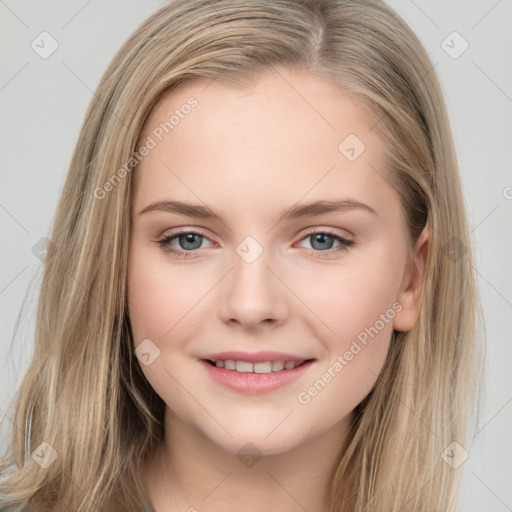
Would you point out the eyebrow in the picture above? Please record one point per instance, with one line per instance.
(293, 212)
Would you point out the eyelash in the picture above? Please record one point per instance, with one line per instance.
(164, 243)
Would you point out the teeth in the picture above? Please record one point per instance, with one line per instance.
(263, 367)
(266, 367)
(243, 367)
(277, 366)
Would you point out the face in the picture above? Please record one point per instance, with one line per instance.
(268, 279)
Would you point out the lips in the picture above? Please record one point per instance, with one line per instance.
(255, 373)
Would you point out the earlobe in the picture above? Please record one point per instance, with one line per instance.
(409, 295)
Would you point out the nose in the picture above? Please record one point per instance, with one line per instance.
(253, 293)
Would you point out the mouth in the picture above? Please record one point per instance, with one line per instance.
(266, 373)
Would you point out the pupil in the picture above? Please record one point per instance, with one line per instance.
(189, 239)
(322, 240)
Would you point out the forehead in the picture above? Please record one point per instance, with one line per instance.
(289, 135)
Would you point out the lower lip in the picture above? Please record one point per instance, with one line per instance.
(254, 383)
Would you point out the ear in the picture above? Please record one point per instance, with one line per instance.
(409, 295)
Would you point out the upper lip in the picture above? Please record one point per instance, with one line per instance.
(254, 357)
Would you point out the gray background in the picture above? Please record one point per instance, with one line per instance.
(43, 102)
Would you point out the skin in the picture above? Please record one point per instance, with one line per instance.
(248, 154)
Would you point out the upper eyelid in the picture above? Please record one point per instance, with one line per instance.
(332, 231)
(185, 231)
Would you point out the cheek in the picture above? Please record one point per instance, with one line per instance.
(356, 304)
(161, 307)
(148, 301)
(160, 300)
(350, 298)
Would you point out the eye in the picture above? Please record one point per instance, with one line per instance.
(322, 241)
(188, 241)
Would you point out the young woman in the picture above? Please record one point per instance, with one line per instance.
(260, 294)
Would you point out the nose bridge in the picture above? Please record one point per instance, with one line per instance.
(253, 292)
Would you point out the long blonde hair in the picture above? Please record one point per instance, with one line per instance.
(84, 393)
